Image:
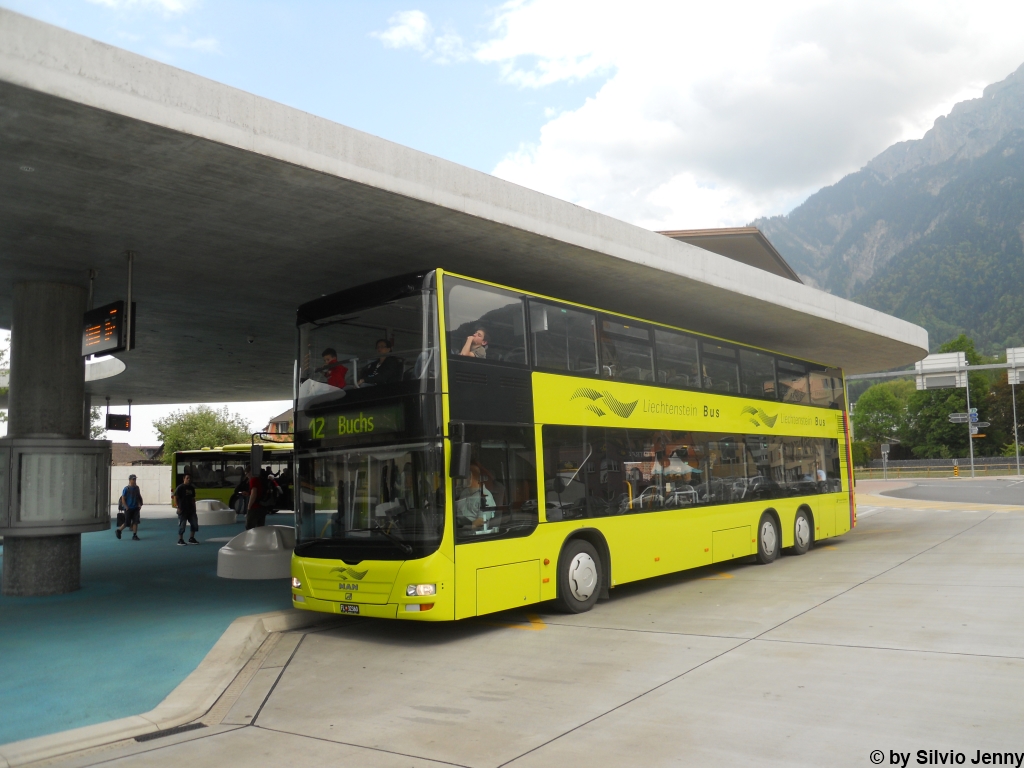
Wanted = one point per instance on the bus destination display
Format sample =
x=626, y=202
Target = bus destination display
x=103, y=330
x=383, y=420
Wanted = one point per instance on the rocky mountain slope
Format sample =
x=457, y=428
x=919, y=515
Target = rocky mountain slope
x=931, y=230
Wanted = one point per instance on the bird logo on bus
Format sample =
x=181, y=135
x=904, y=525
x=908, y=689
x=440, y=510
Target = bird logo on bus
x=619, y=408
x=758, y=417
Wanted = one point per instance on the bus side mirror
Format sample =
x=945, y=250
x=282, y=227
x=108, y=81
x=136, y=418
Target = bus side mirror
x=462, y=455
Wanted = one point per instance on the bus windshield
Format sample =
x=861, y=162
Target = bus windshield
x=382, y=503
x=384, y=349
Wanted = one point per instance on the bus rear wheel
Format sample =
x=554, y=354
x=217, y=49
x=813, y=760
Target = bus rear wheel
x=803, y=533
x=767, y=540
x=579, y=577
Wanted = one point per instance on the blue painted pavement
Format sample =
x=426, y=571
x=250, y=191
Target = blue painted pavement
x=147, y=614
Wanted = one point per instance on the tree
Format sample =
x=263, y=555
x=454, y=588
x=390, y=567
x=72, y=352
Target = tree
x=999, y=411
x=201, y=427
x=930, y=433
x=881, y=412
x=97, y=424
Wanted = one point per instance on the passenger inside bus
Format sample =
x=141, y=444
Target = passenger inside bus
x=476, y=344
x=335, y=372
x=385, y=369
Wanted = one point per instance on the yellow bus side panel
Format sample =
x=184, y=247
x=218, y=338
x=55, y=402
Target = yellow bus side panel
x=501, y=587
x=730, y=543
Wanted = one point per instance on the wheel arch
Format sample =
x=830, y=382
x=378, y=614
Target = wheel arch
x=596, y=539
x=778, y=520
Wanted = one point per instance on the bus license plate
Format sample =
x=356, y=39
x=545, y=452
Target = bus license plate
x=345, y=608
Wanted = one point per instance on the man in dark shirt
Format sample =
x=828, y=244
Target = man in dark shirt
x=384, y=369
x=185, y=496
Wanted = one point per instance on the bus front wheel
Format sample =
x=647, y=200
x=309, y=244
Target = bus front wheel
x=767, y=540
x=579, y=576
x=803, y=533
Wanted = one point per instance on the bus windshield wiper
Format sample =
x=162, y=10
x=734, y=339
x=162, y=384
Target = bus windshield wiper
x=375, y=527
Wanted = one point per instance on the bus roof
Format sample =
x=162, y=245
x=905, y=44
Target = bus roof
x=240, y=448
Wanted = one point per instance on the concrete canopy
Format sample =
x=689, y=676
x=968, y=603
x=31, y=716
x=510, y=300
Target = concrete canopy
x=240, y=209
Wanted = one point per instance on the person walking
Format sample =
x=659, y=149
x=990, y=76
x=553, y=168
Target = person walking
x=256, y=511
x=131, y=500
x=185, y=496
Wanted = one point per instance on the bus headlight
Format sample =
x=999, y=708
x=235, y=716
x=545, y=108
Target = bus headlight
x=420, y=590
x=296, y=584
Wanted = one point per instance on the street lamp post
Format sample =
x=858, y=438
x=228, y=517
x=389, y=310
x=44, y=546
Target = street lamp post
x=970, y=426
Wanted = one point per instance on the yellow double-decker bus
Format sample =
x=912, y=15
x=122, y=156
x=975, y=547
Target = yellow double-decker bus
x=464, y=448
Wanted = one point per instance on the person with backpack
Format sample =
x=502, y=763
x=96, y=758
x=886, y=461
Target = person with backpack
x=131, y=500
x=185, y=496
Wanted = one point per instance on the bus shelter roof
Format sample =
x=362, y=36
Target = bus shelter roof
x=239, y=209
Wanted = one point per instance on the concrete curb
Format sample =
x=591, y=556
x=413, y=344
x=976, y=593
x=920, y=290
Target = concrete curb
x=193, y=697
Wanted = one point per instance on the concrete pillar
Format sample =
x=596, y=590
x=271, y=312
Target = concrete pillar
x=36, y=566
x=47, y=394
x=47, y=368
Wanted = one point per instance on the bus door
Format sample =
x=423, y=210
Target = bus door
x=494, y=512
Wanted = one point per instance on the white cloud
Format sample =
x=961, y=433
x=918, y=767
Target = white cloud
x=413, y=29
x=409, y=29
x=167, y=6
x=710, y=114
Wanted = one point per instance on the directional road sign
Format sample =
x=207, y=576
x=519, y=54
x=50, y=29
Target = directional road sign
x=959, y=418
x=974, y=417
x=982, y=424
x=974, y=430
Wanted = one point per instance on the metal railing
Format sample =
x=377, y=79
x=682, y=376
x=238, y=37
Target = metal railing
x=946, y=470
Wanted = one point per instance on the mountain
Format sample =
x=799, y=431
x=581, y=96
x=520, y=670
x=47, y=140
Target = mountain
x=931, y=230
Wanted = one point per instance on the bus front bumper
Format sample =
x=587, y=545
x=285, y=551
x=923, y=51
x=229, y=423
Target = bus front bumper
x=318, y=587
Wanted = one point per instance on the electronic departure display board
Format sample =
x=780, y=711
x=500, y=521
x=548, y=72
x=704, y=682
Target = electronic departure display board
x=119, y=422
x=103, y=331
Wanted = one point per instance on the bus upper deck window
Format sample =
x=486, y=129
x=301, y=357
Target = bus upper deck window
x=757, y=371
x=826, y=388
x=485, y=323
x=677, y=359
x=721, y=370
x=564, y=339
x=626, y=351
x=793, y=384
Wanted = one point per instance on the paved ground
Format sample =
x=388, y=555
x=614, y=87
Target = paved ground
x=996, y=490
x=147, y=614
x=907, y=634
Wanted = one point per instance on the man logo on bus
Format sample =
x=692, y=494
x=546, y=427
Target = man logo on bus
x=617, y=407
x=350, y=572
x=758, y=413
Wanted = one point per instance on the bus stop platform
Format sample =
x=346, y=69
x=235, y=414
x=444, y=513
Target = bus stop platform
x=147, y=614
x=903, y=637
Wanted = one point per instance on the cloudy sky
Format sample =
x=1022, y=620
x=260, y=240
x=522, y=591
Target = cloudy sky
x=665, y=114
